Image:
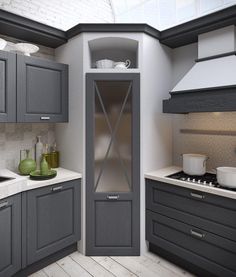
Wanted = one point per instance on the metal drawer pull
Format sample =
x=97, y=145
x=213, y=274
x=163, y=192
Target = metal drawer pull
x=57, y=188
x=3, y=204
x=195, y=195
x=45, y=117
x=113, y=197
x=197, y=234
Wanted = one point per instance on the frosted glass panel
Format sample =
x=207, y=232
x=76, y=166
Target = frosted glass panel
x=112, y=139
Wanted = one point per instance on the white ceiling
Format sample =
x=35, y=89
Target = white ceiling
x=161, y=14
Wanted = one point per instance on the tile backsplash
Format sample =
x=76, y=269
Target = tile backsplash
x=14, y=137
x=219, y=148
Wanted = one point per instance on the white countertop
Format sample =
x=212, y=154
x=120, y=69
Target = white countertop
x=160, y=175
x=22, y=183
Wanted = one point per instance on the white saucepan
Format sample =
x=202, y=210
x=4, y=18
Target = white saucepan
x=226, y=176
x=194, y=164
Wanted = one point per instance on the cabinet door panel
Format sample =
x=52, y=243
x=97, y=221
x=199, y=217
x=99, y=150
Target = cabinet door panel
x=42, y=90
x=113, y=231
x=10, y=235
x=7, y=87
x=53, y=219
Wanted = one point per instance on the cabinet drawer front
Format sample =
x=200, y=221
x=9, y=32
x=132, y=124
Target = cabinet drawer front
x=52, y=221
x=213, y=248
x=206, y=206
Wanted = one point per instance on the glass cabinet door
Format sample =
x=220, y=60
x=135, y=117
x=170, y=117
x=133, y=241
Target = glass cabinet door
x=113, y=136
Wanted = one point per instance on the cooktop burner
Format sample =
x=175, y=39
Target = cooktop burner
x=208, y=179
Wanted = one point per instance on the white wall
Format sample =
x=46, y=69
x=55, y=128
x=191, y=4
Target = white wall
x=61, y=14
x=220, y=149
x=156, y=127
x=70, y=136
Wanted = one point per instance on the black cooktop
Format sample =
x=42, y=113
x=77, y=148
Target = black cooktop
x=208, y=179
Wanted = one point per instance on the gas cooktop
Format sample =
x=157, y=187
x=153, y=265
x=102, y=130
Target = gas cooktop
x=208, y=179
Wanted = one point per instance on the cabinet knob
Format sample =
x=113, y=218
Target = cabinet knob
x=3, y=204
x=196, y=195
x=113, y=197
x=57, y=188
x=45, y=117
x=197, y=234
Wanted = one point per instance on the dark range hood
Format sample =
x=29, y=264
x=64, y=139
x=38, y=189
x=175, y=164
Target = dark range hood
x=210, y=85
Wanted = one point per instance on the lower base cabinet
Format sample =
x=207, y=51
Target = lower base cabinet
x=10, y=235
x=198, y=233
x=37, y=225
x=53, y=219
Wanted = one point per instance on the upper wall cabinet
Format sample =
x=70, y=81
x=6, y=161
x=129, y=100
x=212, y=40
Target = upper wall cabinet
x=42, y=90
x=7, y=87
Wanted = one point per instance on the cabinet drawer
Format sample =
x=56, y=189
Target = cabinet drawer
x=217, y=209
x=215, y=253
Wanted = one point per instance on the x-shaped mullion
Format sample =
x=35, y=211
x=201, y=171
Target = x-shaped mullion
x=113, y=133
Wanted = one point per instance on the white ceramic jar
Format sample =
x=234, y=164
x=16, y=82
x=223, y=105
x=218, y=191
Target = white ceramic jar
x=105, y=63
x=194, y=164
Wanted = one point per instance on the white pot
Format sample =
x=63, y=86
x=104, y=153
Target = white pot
x=226, y=176
x=194, y=164
x=105, y=64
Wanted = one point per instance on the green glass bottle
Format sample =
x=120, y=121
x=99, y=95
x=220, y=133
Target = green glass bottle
x=26, y=165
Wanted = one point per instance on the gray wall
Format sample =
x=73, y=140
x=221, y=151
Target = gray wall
x=220, y=149
x=14, y=137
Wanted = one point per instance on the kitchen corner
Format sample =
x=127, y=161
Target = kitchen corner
x=117, y=140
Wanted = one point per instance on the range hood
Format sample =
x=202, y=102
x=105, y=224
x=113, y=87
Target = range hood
x=210, y=85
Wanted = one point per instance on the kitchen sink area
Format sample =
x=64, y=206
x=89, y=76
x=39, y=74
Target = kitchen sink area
x=117, y=138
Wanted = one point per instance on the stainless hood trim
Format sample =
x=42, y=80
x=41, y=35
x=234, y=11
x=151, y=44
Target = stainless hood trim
x=233, y=53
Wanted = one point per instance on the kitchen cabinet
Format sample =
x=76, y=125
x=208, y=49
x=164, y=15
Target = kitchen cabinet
x=53, y=219
x=10, y=235
x=7, y=87
x=194, y=229
x=112, y=164
x=42, y=90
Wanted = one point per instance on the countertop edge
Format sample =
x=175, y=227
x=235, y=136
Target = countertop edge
x=159, y=176
x=24, y=183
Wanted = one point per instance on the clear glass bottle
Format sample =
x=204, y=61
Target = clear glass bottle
x=38, y=151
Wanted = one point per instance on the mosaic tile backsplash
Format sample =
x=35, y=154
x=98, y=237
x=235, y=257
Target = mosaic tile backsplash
x=15, y=137
x=220, y=148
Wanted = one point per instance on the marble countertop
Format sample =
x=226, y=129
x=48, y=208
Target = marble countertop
x=22, y=183
x=160, y=175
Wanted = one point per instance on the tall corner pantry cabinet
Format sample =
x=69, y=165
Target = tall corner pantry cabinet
x=112, y=163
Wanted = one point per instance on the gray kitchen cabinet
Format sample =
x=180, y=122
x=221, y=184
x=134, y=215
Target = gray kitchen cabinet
x=42, y=90
x=7, y=87
x=112, y=164
x=194, y=229
x=53, y=219
x=10, y=235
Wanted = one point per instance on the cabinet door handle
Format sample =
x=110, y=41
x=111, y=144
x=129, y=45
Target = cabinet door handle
x=196, y=195
x=197, y=234
x=45, y=117
x=113, y=197
x=57, y=188
x=3, y=204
